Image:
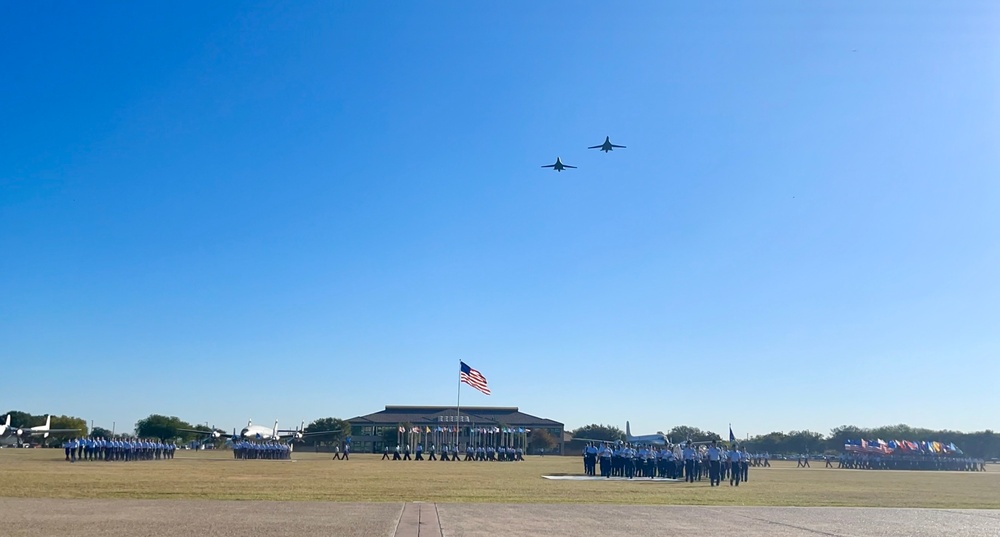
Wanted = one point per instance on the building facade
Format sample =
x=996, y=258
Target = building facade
x=372, y=433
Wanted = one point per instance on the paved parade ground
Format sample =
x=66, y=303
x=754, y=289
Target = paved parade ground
x=153, y=518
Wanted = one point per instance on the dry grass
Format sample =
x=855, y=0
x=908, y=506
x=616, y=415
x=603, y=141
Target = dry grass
x=208, y=475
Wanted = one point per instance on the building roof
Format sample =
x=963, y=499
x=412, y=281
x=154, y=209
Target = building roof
x=429, y=415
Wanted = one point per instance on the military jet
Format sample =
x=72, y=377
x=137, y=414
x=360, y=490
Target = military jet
x=607, y=145
x=558, y=166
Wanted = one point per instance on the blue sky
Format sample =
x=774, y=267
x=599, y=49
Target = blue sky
x=232, y=210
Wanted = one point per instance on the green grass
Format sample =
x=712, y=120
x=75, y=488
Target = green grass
x=206, y=475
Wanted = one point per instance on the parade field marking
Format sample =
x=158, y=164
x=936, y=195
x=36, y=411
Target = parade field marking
x=41, y=473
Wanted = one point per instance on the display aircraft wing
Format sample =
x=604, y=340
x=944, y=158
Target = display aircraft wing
x=300, y=433
x=214, y=433
x=43, y=430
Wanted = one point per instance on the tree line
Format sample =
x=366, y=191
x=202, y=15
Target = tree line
x=982, y=444
x=170, y=428
x=164, y=428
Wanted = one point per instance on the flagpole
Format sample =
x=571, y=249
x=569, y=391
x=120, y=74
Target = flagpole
x=458, y=404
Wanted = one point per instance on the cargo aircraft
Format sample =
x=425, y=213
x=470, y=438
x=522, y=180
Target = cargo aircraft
x=658, y=439
x=11, y=435
x=260, y=432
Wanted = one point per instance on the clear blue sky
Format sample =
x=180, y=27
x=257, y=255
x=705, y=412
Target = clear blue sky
x=296, y=210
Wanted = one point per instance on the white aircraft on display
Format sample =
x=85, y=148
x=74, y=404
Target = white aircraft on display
x=658, y=439
x=261, y=432
x=11, y=436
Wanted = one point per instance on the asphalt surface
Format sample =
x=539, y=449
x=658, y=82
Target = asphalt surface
x=153, y=518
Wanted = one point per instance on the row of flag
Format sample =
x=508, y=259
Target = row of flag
x=476, y=430
x=902, y=446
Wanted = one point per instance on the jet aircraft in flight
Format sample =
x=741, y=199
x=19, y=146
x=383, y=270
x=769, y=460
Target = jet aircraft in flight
x=607, y=145
x=558, y=166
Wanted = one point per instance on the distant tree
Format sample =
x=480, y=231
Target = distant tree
x=681, y=433
x=334, y=430
x=541, y=439
x=594, y=431
x=805, y=442
x=840, y=435
x=390, y=436
x=101, y=432
x=163, y=427
x=69, y=422
x=768, y=443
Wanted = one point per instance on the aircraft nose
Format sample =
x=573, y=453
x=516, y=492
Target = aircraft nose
x=243, y=432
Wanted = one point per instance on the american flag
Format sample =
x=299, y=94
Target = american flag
x=473, y=378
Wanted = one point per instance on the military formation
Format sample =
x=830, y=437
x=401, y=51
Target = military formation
x=244, y=450
x=454, y=453
x=686, y=461
x=866, y=461
x=117, y=449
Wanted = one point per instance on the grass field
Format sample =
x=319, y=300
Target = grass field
x=38, y=473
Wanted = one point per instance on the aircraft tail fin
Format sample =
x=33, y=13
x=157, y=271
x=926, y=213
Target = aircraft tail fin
x=274, y=430
x=628, y=429
x=8, y=421
x=48, y=421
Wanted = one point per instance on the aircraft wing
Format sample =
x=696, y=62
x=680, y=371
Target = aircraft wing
x=52, y=431
x=287, y=433
x=618, y=146
x=599, y=146
x=568, y=166
x=198, y=431
x=549, y=166
x=594, y=440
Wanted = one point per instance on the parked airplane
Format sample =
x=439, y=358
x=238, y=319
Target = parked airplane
x=261, y=432
x=658, y=439
x=607, y=145
x=558, y=166
x=214, y=433
x=10, y=435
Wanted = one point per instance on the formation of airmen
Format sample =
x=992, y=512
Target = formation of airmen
x=478, y=453
x=117, y=449
x=866, y=461
x=679, y=461
x=244, y=450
